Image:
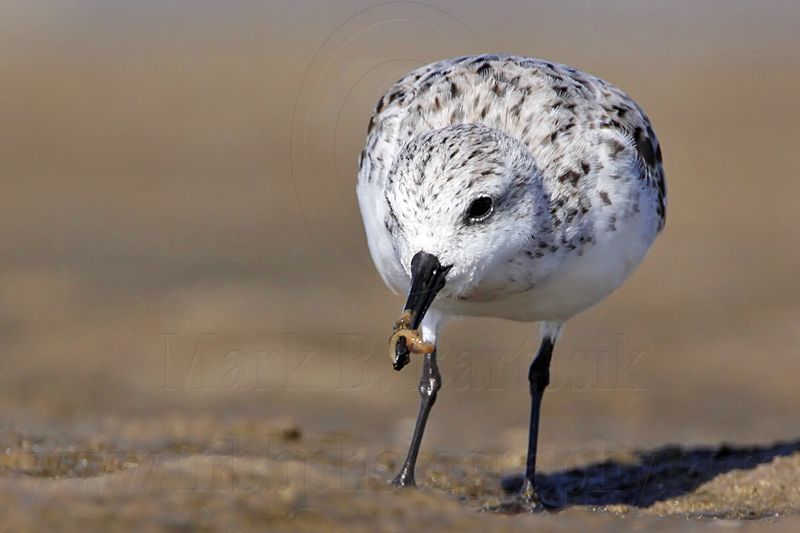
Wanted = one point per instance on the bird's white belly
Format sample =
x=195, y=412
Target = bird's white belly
x=582, y=281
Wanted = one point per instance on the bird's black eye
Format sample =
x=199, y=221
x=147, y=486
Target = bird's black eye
x=479, y=209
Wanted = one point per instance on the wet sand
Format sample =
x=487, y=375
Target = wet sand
x=194, y=337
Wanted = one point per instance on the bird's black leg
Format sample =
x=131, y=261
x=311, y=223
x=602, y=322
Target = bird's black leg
x=538, y=379
x=429, y=384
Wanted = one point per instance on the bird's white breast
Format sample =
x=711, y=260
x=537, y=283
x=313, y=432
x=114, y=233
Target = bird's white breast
x=581, y=282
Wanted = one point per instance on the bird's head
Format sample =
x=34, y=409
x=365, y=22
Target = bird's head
x=463, y=200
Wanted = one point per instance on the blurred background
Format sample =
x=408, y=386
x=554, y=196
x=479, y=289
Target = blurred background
x=181, y=238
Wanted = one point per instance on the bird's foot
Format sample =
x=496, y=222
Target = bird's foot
x=405, y=478
x=529, y=497
x=523, y=497
x=517, y=504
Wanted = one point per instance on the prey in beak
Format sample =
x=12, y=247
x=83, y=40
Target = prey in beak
x=427, y=279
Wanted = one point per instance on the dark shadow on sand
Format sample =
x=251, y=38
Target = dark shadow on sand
x=658, y=475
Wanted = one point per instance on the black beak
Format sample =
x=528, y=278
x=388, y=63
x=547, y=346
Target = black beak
x=427, y=279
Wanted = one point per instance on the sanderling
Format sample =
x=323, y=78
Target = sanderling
x=510, y=187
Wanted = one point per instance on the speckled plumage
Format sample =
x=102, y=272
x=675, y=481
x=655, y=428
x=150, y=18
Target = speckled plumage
x=574, y=165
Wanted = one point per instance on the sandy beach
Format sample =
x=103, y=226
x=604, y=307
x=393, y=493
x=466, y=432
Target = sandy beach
x=194, y=337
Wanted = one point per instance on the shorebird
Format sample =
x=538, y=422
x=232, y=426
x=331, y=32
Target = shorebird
x=504, y=186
